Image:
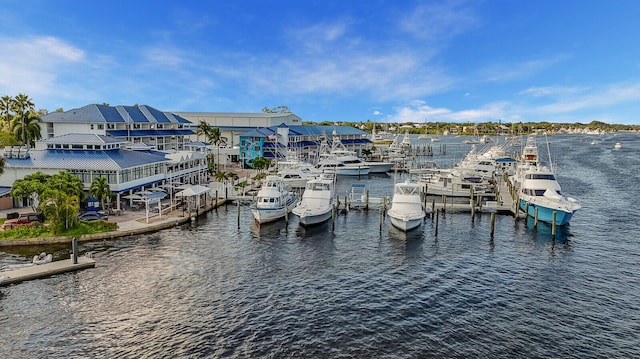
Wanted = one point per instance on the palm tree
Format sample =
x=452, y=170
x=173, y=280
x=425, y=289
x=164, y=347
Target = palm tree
x=213, y=136
x=6, y=108
x=100, y=189
x=203, y=129
x=27, y=127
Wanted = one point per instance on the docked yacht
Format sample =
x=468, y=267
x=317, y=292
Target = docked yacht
x=273, y=201
x=539, y=190
x=317, y=201
x=406, y=212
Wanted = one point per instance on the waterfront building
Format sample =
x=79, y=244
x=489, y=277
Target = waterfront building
x=89, y=156
x=276, y=141
x=137, y=125
x=232, y=124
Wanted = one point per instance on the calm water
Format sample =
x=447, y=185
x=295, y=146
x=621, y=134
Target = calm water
x=215, y=290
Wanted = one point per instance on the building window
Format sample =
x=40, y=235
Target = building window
x=92, y=126
x=100, y=126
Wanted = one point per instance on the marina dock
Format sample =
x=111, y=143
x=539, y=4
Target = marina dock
x=36, y=271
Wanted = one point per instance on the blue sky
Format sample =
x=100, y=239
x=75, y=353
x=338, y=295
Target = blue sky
x=385, y=61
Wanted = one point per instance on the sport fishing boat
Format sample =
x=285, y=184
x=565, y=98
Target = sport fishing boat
x=406, y=212
x=539, y=190
x=273, y=201
x=317, y=201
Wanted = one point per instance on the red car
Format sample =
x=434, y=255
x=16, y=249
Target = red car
x=25, y=219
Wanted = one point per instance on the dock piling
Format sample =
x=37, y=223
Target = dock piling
x=74, y=250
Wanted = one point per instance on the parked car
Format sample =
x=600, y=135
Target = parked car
x=93, y=216
x=24, y=219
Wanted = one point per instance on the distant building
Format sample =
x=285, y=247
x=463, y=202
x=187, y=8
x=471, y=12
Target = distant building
x=89, y=156
x=137, y=125
x=232, y=124
x=276, y=141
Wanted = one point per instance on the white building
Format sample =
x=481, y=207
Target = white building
x=136, y=125
x=232, y=124
x=88, y=156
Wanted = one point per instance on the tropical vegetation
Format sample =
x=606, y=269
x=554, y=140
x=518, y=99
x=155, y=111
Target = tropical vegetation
x=20, y=120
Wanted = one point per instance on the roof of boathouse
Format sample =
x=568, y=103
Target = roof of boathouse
x=96, y=113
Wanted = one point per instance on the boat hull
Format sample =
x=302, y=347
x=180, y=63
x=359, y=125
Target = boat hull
x=353, y=171
x=404, y=224
x=545, y=214
x=271, y=214
x=314, y=219
x=381, y=167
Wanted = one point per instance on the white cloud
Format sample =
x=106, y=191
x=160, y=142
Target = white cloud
x=513, y=71
x=34, y=64
x=438, y=21
x=553, y=91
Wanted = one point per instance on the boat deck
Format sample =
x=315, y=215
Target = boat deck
x=44, y=270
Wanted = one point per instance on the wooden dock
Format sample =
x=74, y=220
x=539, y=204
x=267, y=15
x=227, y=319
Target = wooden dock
x=44, y=270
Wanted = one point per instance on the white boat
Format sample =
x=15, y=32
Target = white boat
x=273, y=201
x=337, y=160
x=294, y=171
x=406, y=212
x=539, y=190
x=453, y=184
x=617, y=146
x=317, y=201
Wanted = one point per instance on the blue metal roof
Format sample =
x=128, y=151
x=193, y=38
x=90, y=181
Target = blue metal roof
x=81, y=139
x=133, y=113
x=89, y=160
x=114, y=114
x=4, y=191
x=149, y=133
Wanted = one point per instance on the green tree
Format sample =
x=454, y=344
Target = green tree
x=100, y=189
x=26, y=127
x=30, y=187
x=6, y=110
x=203, y=129
x=60, y=208
x=67, y=183
x=260, y=163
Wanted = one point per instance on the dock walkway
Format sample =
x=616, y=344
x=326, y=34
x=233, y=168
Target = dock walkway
x=36, y=271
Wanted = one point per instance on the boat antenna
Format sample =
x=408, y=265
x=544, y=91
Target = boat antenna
x=549, y=154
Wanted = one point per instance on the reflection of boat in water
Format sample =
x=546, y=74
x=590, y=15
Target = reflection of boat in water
x=317, y=201
x=274, y=200
x=406, y=212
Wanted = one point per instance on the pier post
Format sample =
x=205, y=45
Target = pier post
x=238, y=201
x=216, y=200
x=433, y=207
x=333, y=218
x=553, y=224
x=437, y=220
x=380, y=219
x=526, y=212
x=366, y=205
x=493, y=224
x=473, y=210
x=535, y=218
x=74, y=250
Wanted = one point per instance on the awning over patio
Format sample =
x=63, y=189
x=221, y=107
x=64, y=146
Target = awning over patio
x=193, y=190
